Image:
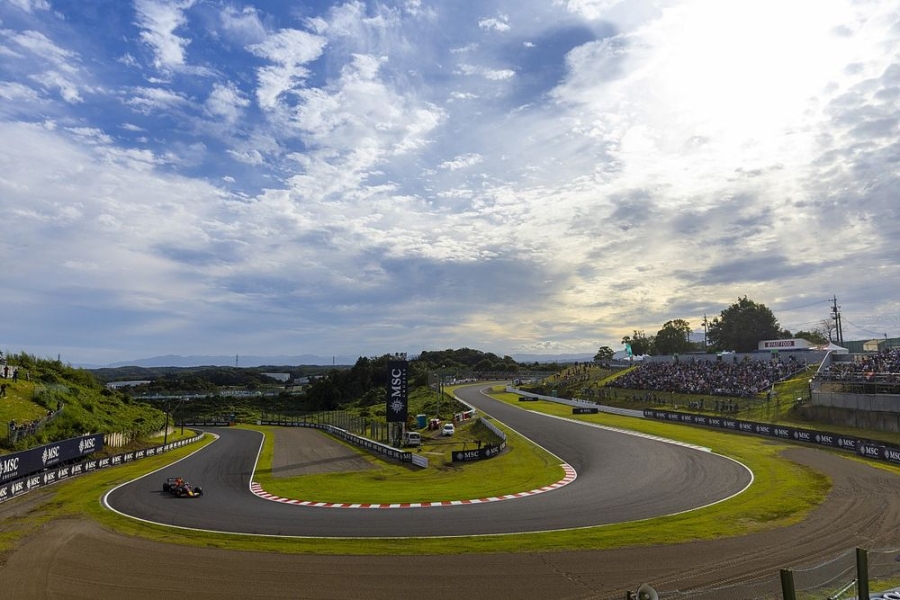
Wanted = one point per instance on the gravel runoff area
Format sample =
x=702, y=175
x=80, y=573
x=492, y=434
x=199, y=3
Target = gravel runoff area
x=81, y=559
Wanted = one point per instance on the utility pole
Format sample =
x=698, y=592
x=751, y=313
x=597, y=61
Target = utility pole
x=836, y=315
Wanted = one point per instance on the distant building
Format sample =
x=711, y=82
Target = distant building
x=282, y=377
x=114, y=385
x=791, y=344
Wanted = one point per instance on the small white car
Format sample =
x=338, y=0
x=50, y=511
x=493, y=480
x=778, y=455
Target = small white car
x=448, y=429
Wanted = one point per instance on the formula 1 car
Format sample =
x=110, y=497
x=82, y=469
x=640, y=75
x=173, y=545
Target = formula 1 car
x=181, y=488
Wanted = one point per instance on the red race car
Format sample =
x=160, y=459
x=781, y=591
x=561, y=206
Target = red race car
x=181, y=488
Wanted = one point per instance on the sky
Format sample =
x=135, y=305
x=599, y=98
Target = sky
x=231, y=177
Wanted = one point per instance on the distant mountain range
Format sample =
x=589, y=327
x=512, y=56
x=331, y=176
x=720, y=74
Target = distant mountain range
x=172, y=360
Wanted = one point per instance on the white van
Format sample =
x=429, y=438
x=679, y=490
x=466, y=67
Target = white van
x=412, y=438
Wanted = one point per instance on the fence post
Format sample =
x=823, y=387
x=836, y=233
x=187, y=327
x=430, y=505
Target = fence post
x=862, y=574
x=787, y=585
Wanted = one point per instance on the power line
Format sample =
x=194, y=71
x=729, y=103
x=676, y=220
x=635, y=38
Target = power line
x=866, y=330
x=806, y=305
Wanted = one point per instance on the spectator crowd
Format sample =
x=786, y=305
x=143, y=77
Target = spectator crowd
x=883, y=366
x=717, y=378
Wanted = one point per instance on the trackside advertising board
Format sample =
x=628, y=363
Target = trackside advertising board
x=51, y=474
x=864, y=448
x=21, y=464
x=482, y=453
x=397, y=410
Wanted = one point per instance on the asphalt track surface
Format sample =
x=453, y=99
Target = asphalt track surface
x=621, y=477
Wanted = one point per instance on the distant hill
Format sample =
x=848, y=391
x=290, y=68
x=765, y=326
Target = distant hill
x=527, y=359
x=173, y=360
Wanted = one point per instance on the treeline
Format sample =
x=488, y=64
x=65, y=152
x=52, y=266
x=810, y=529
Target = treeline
x=330, y=388
x=466, y=359
x=365, y=384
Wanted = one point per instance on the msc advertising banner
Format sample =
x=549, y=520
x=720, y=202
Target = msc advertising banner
x=52, y=470
x=489, y=451
x=398, y=392
x=810, y=436
x=20, y=464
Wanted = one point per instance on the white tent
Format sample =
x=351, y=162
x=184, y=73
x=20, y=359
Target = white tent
x=832, y=347
x=622, y=356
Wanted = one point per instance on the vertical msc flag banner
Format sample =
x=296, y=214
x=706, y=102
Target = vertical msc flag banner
x=397, y=396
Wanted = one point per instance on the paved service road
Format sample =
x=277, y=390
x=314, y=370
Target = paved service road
x=621, y=477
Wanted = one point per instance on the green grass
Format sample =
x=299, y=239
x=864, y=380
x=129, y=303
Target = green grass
x=18, y=404
x=524, y=467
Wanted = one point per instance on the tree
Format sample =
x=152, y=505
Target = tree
x=826, y=329
x=604, y=353
x=741, y=326
x=674, y=337
x=639, y=342
x=813, y=337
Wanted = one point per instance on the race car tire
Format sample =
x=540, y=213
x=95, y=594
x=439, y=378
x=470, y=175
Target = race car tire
x=165, y=487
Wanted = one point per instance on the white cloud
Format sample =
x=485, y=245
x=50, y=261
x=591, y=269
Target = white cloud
x=30, y=5
x=40, y=45
x=226, y=102
x=462, y=162
x=290, y=50
x=158, y=20
x=500, y=23
x=243, y=25
x=487, y=73
x=68, y=90
x=16, y=92
x=589, y=9
x=148, y=100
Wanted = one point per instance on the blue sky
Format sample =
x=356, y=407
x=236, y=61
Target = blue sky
x=205, y=177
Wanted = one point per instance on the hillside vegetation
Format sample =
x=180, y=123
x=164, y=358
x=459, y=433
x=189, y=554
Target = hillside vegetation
x=63, y=402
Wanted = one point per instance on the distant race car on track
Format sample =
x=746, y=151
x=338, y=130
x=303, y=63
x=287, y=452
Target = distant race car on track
x=181, y=488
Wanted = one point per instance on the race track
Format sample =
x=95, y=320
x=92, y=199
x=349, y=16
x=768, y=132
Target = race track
x=621, y=477
x=80, y=558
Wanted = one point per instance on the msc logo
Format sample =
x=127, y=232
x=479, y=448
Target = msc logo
x=87, y=445
x=869, y=451
x=50, y=454
x=10, y=465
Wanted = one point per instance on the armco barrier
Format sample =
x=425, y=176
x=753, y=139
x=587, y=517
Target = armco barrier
x=866, y=449
x=356, y=440
x=614, y=410
x=12, y=488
